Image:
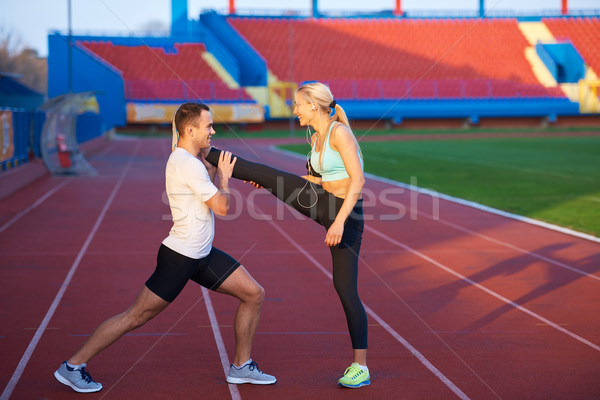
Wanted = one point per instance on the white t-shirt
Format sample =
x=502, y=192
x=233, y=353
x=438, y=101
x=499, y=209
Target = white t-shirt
x=188, y=187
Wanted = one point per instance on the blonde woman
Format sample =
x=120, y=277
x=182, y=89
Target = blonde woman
x=330, y=195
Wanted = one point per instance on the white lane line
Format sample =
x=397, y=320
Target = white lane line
x=45, y=196
x=510, y=246
x=38, y=334
x=372, y=313
x=481, y=287
x=233, y=390
x=39, y=201
x=485, y=208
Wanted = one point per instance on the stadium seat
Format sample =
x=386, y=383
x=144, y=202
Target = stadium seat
x=179, y=74
x=584, y=33
x=369, y=58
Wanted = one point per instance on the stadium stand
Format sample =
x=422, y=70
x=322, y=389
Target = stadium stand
x=156, y=73
x=584, y=33
x=395, y=69
x=394, y=58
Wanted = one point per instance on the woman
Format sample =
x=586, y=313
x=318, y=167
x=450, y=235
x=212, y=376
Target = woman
x=330, y=195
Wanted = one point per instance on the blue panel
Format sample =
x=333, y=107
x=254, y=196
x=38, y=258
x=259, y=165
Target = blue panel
x=28, y=102
x=90, y=73
x=563, y=61
x=253, y=68
x=399, y=110
x=547, y=60
x=179, y=18
x=220, y=51
x=89, y=126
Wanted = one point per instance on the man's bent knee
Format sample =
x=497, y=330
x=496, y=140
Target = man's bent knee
x=255, y=295
x=135, y=319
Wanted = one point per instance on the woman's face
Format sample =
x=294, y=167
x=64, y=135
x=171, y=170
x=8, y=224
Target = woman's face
x=303, y=110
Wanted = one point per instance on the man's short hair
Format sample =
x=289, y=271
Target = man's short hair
x=187, y=114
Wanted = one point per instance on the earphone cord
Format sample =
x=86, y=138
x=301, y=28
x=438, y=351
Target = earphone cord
x=308, y=182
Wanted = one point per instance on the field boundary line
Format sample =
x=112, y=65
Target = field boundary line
x=464, y=202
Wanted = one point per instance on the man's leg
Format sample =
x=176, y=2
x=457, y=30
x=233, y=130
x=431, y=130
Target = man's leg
x=240, y=284
x=251, y=295
x=73, y=373
x=146, y=306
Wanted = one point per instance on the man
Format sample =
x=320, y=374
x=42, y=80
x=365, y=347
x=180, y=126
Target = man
x=187, y=253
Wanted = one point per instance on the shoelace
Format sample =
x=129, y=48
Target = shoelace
x=253, y=365
x=354, y=370
x=85, y=375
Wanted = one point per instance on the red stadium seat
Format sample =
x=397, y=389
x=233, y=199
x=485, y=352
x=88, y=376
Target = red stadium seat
x=447, y=58
x=584, y=33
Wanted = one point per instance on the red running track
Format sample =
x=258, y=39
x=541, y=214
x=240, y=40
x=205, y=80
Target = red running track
x=467, y=305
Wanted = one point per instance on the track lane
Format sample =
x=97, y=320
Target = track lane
x=487, y=337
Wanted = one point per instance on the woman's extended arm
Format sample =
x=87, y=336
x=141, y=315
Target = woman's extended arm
x=343, y=141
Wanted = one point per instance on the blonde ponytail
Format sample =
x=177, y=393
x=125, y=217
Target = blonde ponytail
x=175, y=139
x=340, y=115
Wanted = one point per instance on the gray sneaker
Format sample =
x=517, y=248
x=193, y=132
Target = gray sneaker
x=249, y=374
x=78, y=379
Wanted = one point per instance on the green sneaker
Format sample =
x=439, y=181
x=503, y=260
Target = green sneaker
x=354, y=377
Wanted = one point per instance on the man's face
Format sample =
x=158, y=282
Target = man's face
x=203, y=130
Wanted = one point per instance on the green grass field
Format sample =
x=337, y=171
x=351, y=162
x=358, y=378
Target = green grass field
x=553, y=179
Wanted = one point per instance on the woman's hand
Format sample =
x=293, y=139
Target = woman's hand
x=334, y=234
x=256, y=185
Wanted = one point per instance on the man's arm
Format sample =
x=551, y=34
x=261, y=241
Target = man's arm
x=219, y=203
x=211, y=169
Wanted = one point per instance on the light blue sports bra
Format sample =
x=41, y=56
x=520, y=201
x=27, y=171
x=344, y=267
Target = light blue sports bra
x=333, y=167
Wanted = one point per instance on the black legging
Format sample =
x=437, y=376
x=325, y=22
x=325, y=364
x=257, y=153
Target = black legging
x=323, y=209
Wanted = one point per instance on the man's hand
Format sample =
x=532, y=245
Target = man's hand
x=225, y=166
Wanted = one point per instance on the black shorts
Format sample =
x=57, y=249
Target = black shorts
x=173, y=270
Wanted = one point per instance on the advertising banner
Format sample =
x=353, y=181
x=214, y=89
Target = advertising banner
x=7, y=146
x=156, y=113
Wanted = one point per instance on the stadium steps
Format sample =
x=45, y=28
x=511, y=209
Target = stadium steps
x=280, y=96
x=584, y=33
x=257, y=93
x=536, y=32
x=218, y=69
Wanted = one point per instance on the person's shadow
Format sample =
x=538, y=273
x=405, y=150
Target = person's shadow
x=554, y=278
